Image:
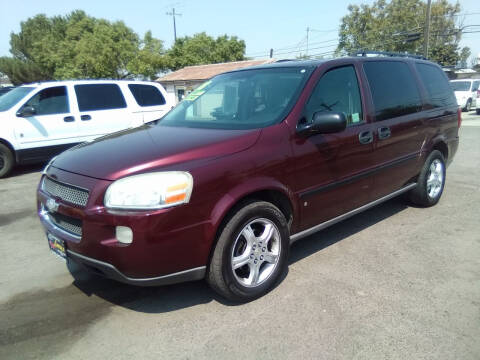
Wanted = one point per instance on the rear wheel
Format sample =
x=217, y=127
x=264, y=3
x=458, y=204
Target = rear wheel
x=468, y=105
x=251, y=252
x=431, y=181
x=7, y=160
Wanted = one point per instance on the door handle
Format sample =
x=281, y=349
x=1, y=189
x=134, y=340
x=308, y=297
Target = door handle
x=68, y=119
x=85, y=117
x=384, y=133
x=365, y=137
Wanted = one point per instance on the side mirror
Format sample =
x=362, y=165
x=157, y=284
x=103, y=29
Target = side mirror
x=324, y=123
x=26, y=111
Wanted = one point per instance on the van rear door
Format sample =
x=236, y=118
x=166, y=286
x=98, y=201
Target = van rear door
x=102, y=109
x=399, y=123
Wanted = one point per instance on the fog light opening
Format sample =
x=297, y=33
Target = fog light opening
x=124, y=234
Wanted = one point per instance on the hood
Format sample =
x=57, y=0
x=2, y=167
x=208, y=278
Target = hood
x=151, y=147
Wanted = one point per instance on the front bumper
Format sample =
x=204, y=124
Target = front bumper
x=111, y=272
x=169, y=245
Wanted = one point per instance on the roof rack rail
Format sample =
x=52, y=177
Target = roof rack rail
x=367, y=53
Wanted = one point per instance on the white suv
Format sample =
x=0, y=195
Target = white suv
x=40, y=120
x=467, y=93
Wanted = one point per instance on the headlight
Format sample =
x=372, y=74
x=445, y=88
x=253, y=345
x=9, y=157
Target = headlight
x=150, y=191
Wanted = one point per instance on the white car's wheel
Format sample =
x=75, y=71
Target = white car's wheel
x=7, y=160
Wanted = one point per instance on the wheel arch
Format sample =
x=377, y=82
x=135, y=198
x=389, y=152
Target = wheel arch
x=441, y=146
x=271, y=191
x=10, y=146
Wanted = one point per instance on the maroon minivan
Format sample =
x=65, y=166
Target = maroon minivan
x=249, y=162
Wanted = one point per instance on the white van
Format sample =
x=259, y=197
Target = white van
x=467, y=93
x=40, y=120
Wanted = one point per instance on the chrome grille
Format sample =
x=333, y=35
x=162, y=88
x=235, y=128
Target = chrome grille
x=66, y=223
x=67, y=193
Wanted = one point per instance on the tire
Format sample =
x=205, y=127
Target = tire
x=431, y=181
x=7, y=160
x=468, y=105
x=478, y=111
x=241, y=242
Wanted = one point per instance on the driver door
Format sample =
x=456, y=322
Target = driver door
x=51, y=124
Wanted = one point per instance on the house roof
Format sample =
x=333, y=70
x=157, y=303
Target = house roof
x=205, y=72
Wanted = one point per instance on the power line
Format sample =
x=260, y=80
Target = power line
x=315, y=48
x=297, y=47
x=277, y=49
x=456, y=15
x=321, y=54
x=323, y=31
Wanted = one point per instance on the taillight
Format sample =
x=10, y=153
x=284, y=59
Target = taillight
x=459, y=116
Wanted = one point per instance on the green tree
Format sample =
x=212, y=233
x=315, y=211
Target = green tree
x=385, y=26
x=150, y=58
x=464, y=55
x=204, y=49
x=79, y=46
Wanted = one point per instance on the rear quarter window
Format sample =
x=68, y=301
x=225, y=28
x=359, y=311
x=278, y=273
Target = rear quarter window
x=147, y=95
x=394, y=89
x=99, y=97
x=439, y=91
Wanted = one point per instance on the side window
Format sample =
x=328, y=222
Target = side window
x=146, y=95
x=394, y=89
x=337, y=90
x=475, y=85
x=99, y=97
x=50, y=101
x=439, y=91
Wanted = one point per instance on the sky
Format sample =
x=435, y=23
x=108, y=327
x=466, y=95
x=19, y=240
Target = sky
x=281, y=25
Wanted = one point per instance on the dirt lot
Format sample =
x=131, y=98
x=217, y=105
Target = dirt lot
x=395, y=282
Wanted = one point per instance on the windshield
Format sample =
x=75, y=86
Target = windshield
x=12, y=97
x=460, y=85
x=246, y=99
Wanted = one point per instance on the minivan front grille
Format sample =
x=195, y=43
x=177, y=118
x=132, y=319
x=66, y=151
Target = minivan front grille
x=65, y=192
x=66, y=223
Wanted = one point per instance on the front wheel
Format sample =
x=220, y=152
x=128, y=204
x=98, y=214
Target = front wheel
x=431, y=181
x=251, y=252
x=7, y=160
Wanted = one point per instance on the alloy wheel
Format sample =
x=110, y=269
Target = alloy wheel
x=435, y=178
x=256, y=252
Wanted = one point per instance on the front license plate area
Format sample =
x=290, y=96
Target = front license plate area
x=57, y=246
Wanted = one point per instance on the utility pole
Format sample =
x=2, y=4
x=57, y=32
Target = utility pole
x=271, y=53
x=426, y=36
x=308, y=30
x=173, y=14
